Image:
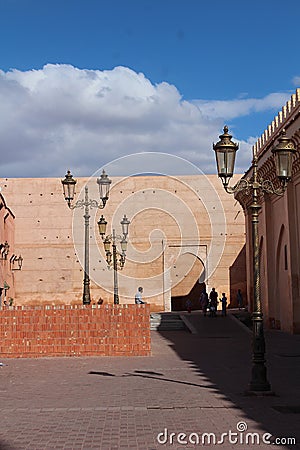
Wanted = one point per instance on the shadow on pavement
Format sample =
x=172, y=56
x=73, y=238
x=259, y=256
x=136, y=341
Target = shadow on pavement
x=221, y=352
x=142, y=374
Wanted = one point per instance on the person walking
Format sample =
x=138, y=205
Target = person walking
x=224, y=304
x=239, y=298
x=138, y=296
x=213, y=298
x=204, y=302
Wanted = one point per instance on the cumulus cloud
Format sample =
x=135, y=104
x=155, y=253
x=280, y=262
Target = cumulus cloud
x=62, y=117
x=242, y=106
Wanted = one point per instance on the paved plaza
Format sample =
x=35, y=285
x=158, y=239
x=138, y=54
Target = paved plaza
x=194, y=383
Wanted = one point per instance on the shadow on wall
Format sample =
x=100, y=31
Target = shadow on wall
x=237, y=274
x=179, y=303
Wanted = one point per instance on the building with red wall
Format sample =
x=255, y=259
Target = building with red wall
x=279, y=227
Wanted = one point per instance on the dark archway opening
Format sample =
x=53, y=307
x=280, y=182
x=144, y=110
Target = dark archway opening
x=179, y=303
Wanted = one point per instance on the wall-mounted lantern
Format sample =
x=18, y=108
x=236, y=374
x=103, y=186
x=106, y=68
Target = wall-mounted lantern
x=16, y=262
x=4, y=250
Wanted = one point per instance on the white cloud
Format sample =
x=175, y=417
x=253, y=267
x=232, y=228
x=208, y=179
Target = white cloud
x=296, y=81
x=62, y=117
x=242, y=106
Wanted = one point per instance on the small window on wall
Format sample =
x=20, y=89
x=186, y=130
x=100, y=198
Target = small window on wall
x=285, y=258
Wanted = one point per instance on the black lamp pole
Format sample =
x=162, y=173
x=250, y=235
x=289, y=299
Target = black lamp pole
x=69, y=194
x=112, y=257
x=225, y=156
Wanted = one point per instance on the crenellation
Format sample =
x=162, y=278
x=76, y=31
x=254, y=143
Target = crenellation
x=270, y=130
x=284, y=111
x=259, y=142
x=273, y=126
x=254, y=148
x=266, y=135
x=288, y=109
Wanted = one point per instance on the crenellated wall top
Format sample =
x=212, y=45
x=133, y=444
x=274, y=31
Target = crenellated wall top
x=288, y=111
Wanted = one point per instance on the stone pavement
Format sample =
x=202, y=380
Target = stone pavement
x=192, y=384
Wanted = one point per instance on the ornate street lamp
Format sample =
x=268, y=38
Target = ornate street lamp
x=112, y=257
x=225, y=155
x=69, y=193
x=283, y=153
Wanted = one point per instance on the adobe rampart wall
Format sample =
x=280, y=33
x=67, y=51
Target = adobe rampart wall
x=183, y=230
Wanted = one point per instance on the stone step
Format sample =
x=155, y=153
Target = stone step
x=166, y=321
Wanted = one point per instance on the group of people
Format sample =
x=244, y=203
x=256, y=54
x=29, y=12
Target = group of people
x=207, y=302
x=210, y=302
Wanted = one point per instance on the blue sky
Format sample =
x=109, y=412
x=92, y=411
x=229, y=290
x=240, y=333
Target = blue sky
x=83, y=82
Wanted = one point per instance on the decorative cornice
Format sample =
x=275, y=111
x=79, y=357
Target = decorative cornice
x=288, y=113
x=266, y=170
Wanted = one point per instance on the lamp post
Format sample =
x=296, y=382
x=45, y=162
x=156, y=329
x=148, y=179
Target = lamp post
x=69, y=193
x=110, y=241
x=225, y=151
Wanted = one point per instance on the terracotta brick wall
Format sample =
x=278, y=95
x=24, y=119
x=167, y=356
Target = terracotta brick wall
x=75, y=330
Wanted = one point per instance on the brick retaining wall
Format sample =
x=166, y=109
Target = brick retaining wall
x=75, y=330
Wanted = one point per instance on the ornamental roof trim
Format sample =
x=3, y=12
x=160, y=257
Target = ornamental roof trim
x=287, y=113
